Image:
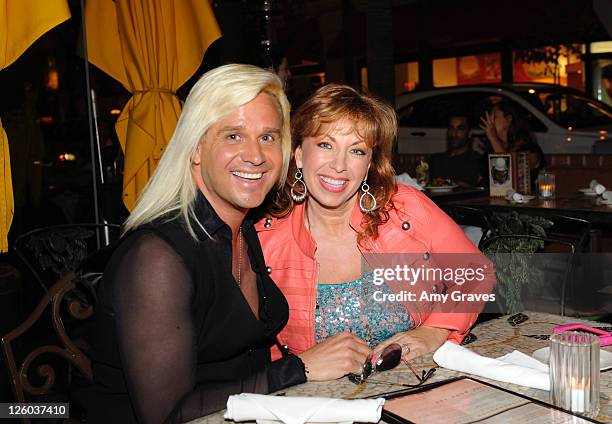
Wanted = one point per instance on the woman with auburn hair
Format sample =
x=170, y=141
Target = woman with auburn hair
x=339, y=204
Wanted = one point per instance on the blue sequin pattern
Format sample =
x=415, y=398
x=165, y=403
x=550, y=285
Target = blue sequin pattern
x=351, y=307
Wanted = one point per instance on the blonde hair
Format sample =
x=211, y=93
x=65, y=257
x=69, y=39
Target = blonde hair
x=171, y=191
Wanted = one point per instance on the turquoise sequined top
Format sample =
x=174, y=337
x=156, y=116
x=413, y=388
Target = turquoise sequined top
x=351, y=307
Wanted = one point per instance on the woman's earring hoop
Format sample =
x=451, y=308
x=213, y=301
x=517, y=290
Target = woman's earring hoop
x=365, y=188
x=298, y=197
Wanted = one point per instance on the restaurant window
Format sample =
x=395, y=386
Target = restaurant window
x=602, y=80
x=601, y=52
x=466, y=70
x=406, y=77
x=560, y=64
x=445, y=72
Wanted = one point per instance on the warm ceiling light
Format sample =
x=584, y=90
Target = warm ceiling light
x=115, y=111
x=68, y=157
x=531, y=91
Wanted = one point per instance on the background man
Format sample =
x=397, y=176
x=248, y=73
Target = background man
x=460, y=163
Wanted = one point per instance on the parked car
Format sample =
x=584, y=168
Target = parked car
x=563, y=120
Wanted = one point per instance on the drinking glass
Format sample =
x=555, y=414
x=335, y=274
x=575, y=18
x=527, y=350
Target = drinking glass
x=574, y=372
x=546, y=185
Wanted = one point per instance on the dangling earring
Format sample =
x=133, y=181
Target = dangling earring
x=298, y=180
x=365, y=188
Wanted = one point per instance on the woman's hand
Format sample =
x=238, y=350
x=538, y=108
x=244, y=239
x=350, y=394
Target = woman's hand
x=335, y=357
x=488, y=126
x=416, y=342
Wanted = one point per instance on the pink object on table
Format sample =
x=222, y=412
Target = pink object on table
x=605, y=338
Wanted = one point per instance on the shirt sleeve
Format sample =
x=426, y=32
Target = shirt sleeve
x=448, y=239
x=151, y=294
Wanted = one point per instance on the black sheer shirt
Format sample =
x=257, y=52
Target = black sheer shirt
x=173, y=334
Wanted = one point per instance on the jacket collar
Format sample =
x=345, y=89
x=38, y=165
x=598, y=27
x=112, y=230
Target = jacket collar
x=301, y=234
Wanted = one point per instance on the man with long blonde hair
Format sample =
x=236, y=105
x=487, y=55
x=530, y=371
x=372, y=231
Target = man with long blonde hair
x=187, y=310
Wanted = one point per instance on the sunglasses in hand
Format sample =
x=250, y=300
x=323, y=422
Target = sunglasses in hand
x=390, y=358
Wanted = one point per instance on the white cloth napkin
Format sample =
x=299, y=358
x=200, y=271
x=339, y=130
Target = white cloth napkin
x=407, y=180
x=516, y=367
x=298, y=410
x=606, y=195
x=596, y=187
x=600, y=189
x=514, y=196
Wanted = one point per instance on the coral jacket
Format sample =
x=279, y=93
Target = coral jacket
x=415, y=225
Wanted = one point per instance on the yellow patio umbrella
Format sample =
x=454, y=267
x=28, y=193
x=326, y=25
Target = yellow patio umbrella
x=151, y=47
x=21, y=23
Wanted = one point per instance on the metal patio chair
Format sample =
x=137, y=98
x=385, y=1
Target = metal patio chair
x=53, y=251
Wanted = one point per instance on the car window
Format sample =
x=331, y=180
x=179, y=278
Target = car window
x=422, y=113
x=570, y=110
x=435, y=111
x=534, y=124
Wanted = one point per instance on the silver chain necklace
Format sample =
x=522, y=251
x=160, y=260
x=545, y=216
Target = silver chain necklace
x=239, y=257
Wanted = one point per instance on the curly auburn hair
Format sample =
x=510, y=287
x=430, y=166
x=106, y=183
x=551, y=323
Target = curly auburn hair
x=374, y=121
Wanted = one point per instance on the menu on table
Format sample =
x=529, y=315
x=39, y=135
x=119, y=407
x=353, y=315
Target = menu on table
x=466, y=401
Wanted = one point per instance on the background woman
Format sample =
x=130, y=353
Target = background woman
x=508, y=131
x=187, y=313
x=340, y=203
